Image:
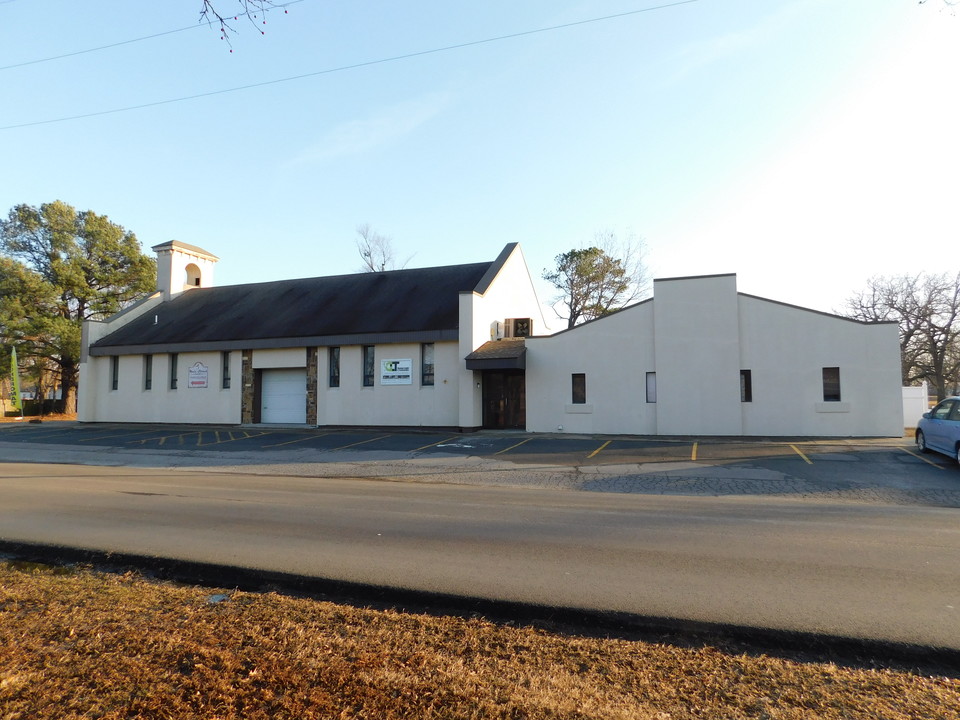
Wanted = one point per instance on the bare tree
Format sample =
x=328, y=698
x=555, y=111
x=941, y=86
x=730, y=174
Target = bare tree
x=376, y=250
x=594, y=281
x=927, y=309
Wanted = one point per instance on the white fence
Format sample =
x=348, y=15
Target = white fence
x=915, y=404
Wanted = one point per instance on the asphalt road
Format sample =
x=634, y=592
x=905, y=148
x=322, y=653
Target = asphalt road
x=859, y=570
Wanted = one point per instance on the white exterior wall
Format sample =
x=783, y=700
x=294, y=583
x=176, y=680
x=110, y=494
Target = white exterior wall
x=786, y=349
x=697, y=356
x=411, y=405
x=697, y=334
x=88, y=384
x=614, y=354
x=130, y=402
x=172, y=270
x=280, y=358
x=510, y=295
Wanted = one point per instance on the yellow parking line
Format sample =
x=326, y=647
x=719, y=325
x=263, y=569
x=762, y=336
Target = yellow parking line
x=298, y=440
x=110, y=437
x=438, y=442
x=807, y=460
x=51, y=432
x=218, y=441
x=344, y=447
x=599, y=449
x=938, y=466
x=164, y=438
x=500, y=452
x=693, y=453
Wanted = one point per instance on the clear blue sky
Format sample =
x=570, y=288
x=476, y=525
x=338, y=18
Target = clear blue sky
x=803, y=144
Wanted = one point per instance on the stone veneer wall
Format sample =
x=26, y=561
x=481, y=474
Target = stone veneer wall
x=312, y=386
x=247, y=391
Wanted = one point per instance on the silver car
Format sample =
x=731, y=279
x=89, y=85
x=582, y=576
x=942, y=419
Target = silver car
x=939, y=429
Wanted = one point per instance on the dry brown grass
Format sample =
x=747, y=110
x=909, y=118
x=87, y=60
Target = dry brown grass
x=81, y=644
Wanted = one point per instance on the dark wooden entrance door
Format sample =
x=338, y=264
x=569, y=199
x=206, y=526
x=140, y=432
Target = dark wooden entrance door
x=504, y=399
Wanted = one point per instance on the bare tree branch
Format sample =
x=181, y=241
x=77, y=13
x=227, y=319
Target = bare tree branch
x=253, y=10
x=376, y=251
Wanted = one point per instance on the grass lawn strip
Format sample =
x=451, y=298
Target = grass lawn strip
x=83, y=644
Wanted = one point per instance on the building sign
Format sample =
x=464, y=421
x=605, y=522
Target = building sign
x=198, y=375
x=396, y=372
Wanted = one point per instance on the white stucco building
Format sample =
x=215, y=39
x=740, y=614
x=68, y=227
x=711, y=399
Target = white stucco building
x=457, y=347
x=699, y=358
x=369, y=349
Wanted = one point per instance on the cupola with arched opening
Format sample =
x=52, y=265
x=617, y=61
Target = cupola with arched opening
x=182, y=267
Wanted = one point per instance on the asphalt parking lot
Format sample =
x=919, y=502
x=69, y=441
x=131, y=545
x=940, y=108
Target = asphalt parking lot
x=517, y=447
x=866, y=469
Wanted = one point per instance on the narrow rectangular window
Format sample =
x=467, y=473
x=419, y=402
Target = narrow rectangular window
x=426, y=364
x=369, y=364
x=148, y=372
x=831, y=384
x=173, y=370
x=746, y=386
x=225, y=370
x=114, y=372
x=333, y=355
x=579, y=388
x=651, y=387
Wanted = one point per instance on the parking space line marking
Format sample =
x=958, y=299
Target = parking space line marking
x=438, y=442
x=298, y=440
x=599, y=449
x=163, y=438
x=218, y=441
x=52, y=432
x=797, y=450
x=693, y=453
x=938, y=466
x=344, y=447
x=111, y=437
x=500, y=452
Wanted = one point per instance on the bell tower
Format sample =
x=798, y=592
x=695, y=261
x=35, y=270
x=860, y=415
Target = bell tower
x=182, y=267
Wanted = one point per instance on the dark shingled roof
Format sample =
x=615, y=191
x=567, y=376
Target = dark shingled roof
x=424, y=301
x=504, y=354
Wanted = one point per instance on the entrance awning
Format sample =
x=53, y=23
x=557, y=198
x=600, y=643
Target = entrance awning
x=506, y=354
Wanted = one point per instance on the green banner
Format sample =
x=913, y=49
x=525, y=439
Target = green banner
x=15, y=375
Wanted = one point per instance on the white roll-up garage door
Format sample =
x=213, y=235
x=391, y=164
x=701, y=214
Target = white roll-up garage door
x=283, y=396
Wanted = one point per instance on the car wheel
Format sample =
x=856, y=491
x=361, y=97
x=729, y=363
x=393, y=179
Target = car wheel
x=956, y=455
x=922, y=442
